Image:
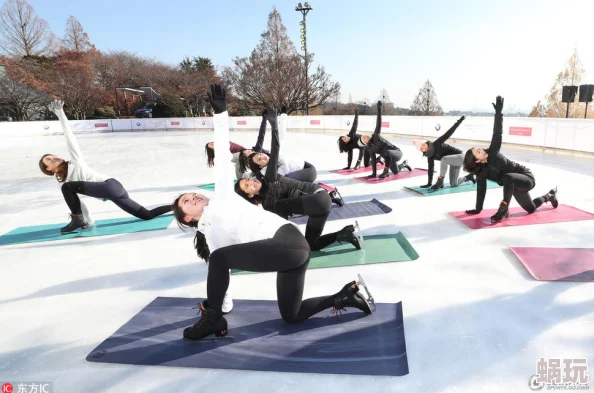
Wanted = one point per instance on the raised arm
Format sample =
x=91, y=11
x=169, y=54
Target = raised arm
x=378, y=123
x=57, y=107
x=223, y=165
x=481, y=191
x=261, y=133
x=449, y=132
x=497, y=127
x=272, y=167
x=355, y=125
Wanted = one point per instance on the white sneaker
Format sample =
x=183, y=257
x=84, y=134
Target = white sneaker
x=227, y=303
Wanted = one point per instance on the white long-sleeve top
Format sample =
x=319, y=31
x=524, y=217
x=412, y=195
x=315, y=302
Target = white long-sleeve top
x=78, y=169
x=229, y=219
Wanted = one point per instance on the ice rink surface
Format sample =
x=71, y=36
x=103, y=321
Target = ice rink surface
x=474, y=318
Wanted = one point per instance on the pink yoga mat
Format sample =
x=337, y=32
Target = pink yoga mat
x=557, y=264
x=354, y=172
x=405, y=174
x=517, y=216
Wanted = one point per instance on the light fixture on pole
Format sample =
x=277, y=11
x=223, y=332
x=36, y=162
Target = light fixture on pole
x=304, y=9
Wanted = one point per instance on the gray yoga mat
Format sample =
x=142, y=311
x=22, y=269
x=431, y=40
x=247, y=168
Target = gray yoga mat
x=351, y=210
x=352, y=344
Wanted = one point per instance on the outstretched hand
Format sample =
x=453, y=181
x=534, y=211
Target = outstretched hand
x=283, y=110
x=498, y=104
x=56, y=106
x=218, y=98
x=462, y=119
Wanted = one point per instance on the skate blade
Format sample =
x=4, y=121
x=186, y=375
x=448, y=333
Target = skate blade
x=216, y=339
x=359, y=234
x=369, y=298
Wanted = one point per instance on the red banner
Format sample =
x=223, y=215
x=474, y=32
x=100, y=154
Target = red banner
x=175, y=123
x=520, y=131
x=314, y=122
x=241, y=122
x=385, y=124
x=97, y=125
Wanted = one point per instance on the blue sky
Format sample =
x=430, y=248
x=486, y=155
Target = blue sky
x=470, y=50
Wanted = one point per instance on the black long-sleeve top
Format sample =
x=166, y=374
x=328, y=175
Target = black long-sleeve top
x=353, y=142
x=439, y=149
x=497, y=164
x=276, y=187
x=378, y=144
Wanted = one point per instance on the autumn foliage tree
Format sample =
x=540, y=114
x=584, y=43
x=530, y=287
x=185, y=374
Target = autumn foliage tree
x=572, y=75
x=22, y=33
x=20, y=91
x=75, y=38
x=273, y=74
x=426, y=103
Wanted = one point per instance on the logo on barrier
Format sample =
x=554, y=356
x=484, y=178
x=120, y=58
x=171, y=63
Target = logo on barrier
x=385, y=124
x=138, y=124
x=437, y=127
x=315, y=122
x=520, y=131
x=203, y=122
x=46, y=127
x=7, y=388
x=97, y=125
x=175, y=123
x=348, y=122
x=241, y=122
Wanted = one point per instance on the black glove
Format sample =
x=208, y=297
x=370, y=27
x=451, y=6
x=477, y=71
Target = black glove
x=283, y=110
x=473, y=211
x=498, y=105
x=357, y=165
x=426, y=185
x=462, y=119
x=379, y=105
x=271, y=115
x=218, y=98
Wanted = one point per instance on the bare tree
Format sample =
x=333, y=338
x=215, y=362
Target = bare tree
x=21, y=100
x=274, y=74
x=426, y=103
x=75, y=38
x=22, y=32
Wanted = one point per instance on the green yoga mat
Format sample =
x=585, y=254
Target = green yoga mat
x=376, y=249
x=450, y=190
x=211, y=186
x=115, y=226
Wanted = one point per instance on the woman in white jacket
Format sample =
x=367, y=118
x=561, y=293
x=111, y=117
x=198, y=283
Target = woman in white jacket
x=235, y=234
x=77, y=177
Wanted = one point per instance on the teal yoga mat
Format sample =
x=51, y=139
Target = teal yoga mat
x=376, y=249
x=114, y=226
x=450, y=190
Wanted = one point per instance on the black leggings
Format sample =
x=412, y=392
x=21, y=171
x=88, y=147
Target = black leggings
x=286, y=253
x=519, y=185
x=308, y=173
x=391, y=160
x=112, y=190
x=317, y=207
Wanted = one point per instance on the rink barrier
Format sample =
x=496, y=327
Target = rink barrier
x=559, y=135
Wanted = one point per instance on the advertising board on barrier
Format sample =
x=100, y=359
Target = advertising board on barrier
x=520, y=131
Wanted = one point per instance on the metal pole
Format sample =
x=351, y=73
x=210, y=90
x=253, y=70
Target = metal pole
x=306, y=65
x=567, y=112
x=586, y=114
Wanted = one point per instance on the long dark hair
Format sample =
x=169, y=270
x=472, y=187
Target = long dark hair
x=342, y=147
x=255, y=168
x=199, y=240
x=209, y=155
x=255, y=200
x=470, y=165
x=62, y=172
x=243, y=162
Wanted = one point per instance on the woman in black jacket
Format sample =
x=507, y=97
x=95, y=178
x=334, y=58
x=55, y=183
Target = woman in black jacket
x=517, y=180
x=449, y=156
x=285, y=196
x=376, y=144
x=348, y=143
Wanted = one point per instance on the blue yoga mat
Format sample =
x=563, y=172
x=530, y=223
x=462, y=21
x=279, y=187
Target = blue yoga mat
x=352, y=344
x=351, y=210
x=115, y=226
